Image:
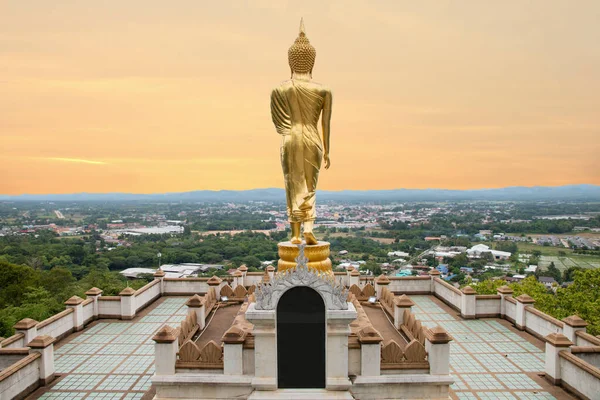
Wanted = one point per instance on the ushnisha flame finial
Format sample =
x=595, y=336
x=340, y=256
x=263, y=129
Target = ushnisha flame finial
x=301, y=55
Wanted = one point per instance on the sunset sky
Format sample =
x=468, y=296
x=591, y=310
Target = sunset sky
x=156, y=96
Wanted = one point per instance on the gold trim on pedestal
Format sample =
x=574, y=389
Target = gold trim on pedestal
x=318, y=256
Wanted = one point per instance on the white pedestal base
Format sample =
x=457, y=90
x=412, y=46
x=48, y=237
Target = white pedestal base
x=300, y=394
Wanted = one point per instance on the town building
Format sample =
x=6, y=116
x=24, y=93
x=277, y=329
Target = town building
x=478, y=250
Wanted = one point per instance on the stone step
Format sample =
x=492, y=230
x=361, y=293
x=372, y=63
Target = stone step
x=300, y=394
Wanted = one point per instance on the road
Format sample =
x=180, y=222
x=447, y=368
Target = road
x=414, y=258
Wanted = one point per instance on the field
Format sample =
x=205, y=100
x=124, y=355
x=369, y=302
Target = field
x=587, y=234
x=546, y=250
x=562, y=263
x=383, y=240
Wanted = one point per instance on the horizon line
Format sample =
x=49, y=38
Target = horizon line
x=280, y=188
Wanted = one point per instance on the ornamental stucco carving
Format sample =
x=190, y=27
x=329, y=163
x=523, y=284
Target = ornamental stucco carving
x=268, y=294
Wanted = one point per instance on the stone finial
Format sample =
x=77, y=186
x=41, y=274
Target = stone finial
x=94, y=292
x=558, y=340
x=234, y=335
x=26, y=323
x=354, y=272
x=270, y=268
x=504, y=290
x=403, y=301
x=575, y=321
x=73, y=301
x=194, y=301
x=525, y=299
x=41, y=342
x=214, y=281
x=127, y=292
x=434, y=272
x=243, y=268
x=369, y=335
x=382, y=280
x=166, y=334
x=468, y=290
x=159, y=273
x=437, y=335
x=237, y=274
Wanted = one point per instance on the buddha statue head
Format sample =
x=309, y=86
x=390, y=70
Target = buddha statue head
x=301, y=55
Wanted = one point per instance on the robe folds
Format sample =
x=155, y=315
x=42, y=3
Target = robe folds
x=295, y=109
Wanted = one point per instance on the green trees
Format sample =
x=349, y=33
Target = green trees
x=372, y=266
x=460, y=260
x=31, y=293
x=488, y=286
x=552, y=272
x=511, y=247
x=582, y=298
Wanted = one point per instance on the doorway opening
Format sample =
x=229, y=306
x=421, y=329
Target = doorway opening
x=301, y=339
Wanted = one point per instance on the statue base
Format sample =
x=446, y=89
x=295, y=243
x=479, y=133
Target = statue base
x=317, y=254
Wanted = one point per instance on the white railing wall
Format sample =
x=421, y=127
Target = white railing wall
x=15, y=341
x=585, y=339
x=147, y=294
x=447, y=293
x=487, y=306
x=185, y=286
x=510, y=310
x=21, y=378
x=539, y=324
x=109, y=307
x=253, y=278
x=410, y=284
x=578, y=376
x=58, y=325
x=88, y=311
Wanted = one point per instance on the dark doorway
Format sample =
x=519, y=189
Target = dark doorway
x=301, y=339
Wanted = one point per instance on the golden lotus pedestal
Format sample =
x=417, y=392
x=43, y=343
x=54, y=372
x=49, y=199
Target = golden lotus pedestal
x=317, y=254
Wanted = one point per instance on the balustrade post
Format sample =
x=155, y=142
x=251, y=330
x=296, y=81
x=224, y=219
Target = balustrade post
x=95, y=294
x=45, y=346
x=572, y=325
x=165, y=350
x=503, y=292
x=522, y=301
x=555, y=343
x=468, y=303
x=27, y=327
x=437, y=345
x=75, y=303
x=370, y=351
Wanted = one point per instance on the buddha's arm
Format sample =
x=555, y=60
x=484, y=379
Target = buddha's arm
x=326, y=120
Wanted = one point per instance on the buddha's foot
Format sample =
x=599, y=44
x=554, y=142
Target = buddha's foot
x=296, y=240
x=295, y=233
x=310, y=238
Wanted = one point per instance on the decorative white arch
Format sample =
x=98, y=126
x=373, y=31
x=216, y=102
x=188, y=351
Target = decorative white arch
x=268, y=294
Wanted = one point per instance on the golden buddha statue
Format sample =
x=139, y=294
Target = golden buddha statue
x=296, y=106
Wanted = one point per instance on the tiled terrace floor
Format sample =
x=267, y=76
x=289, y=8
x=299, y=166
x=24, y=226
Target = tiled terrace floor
x=489, y=358
x=112, y=360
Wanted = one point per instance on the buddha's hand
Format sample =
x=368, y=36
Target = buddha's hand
x=327, y=161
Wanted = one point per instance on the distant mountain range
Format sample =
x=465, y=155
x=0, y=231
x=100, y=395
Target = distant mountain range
x=569, y=192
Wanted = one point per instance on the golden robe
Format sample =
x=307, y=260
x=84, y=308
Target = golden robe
x=295, y=109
